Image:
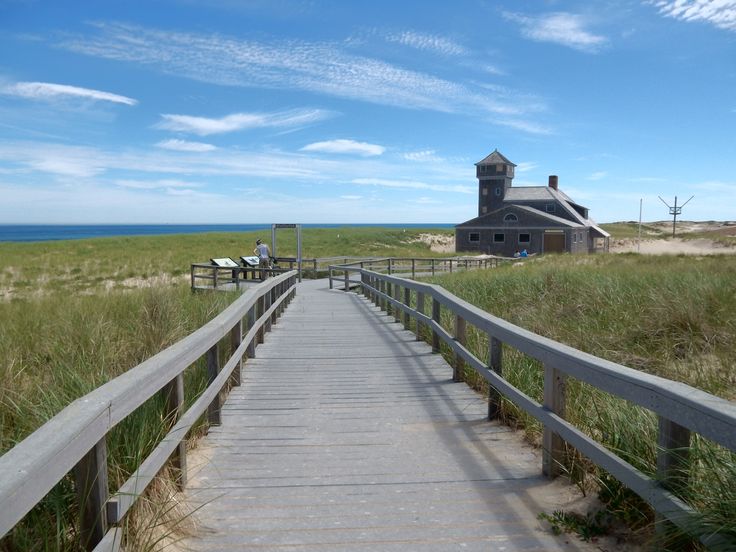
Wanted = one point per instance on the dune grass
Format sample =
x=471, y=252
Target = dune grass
x=669, y=316
x=93, y=265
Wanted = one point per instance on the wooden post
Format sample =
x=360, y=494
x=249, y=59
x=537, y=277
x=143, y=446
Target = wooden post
x=236, y=338
x=272, y=299
x=330, y=276
x=407, y=302
x=261, y=302
x=450, y=266
x=266, y=306
x=347, y=281
x=251, y=321
x=495, y=363
x=432, y=267
x=315, y=268
x=420, y=309
x=390, y=293
x=192, y=277
x=673, y=454
x=213, y=368
x=553, y=447
x=458, y=366
x=90, y=477
x=174, y=396
x=413, y=269
x=382, y=287
x=389, y=265
x=436, y=318
x=215, y=271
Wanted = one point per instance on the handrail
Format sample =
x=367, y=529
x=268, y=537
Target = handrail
x=680, y=407
x=74, y=439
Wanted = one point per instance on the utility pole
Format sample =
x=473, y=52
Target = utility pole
x=674, y=211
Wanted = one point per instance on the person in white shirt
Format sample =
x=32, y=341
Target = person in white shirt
x=264, y=257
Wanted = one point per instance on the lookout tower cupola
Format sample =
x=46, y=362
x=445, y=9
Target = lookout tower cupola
x=494, y=173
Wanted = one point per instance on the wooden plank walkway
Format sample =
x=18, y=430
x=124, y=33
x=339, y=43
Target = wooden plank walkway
x=347, y=434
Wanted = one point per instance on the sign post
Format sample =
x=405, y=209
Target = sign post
x=298, y=228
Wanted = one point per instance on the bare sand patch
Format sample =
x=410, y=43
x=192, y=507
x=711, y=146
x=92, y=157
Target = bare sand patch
x=672, y=246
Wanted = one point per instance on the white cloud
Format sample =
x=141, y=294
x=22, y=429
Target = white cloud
x=351, y=197
x=183, y=145
x=323, y=68
x=721, y=13
x=422, y=156
x=50, y=91
x=345, y=146
x=156, y=184
x=599, y=175
x=561, y=28
x=526, y=126
x=421, y=41
x=205, y=126
x=526, y=166
x=413, y=185
x=425, y=201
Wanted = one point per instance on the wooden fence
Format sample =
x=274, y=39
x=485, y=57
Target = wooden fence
x=74, y=440
x=410, y=266
x=680, y=409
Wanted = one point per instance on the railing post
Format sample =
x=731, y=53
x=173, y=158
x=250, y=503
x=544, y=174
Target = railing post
x=236, y=338
x=673, y=454
x=553, y=447
x=90, y=476
x=458, y=367
x=213, y=368
x=330, y=276
x=495, y=363
x=266, y=306
x=382, y=301
x=390, y=294
x=436, y=318
x=413, y=269
x=347, y=281
x=215, y=278
x=251, y=321
x=272, y=299
x=174, y=394
x=432, y=267
x=407, y=302
x=450, y=266
x=420, y=309
x=192, y=277
x=261, y=302
x=389, y=265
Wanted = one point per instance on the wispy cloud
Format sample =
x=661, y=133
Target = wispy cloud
x=526, y=126
x=183, y=145
x=427, y=42
x=526, y=166
x=422, y=156
x=50, y=91
x=156, y=184
x=317, y=67
x=345, y=146
x=721, y=13
x=351, y=197
x=204, y=126
x=563, y=28
x=413, y=185
x=599, y=175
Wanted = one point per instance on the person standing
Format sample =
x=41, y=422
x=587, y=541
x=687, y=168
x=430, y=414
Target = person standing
x=264, y=258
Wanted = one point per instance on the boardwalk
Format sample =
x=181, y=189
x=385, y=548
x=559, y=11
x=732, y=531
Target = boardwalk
x=347, y=434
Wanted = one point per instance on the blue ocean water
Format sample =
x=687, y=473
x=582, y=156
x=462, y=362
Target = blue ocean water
x=53, y=232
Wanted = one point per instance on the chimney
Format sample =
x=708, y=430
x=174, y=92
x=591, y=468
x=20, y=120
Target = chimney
x=553, y=181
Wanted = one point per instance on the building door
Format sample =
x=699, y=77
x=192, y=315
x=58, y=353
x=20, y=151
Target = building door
x=554, y=242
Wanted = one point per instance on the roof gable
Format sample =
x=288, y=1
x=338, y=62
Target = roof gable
x=495, y=158
x=495, y=218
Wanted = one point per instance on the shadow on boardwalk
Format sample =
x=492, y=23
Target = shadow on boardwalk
x=347, y=434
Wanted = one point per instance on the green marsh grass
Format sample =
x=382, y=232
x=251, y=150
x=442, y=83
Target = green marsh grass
x=670, y=316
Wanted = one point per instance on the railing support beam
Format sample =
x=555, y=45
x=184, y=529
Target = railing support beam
x=553, y=447
x=90, y=477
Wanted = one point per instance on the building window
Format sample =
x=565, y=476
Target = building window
x=550, y=207
x=474, y=237
x=497, y=191
x=498, y=238
x=574, y=237
x=484, y=191
x=499, y=168
x=511, y=217
x=524, y=238
x=484, y=209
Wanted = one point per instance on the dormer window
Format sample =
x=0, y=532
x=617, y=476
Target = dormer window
x=511, y=217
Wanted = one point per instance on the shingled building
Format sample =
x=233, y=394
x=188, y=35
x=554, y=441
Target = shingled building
x=540, y=219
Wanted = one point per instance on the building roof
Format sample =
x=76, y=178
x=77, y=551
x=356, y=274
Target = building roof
x=495, y=158
x=531, y=210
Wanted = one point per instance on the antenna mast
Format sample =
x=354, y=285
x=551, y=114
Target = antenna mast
x=674, y=211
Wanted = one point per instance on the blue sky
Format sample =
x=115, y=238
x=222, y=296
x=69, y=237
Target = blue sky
x=186, y=111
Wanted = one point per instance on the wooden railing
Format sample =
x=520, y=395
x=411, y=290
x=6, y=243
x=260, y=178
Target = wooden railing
x=680, y=409
x=74, y=440
x=410, y=266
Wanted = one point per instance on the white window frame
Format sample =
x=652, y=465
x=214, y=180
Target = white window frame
x=475, y=235
x=510, y=217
